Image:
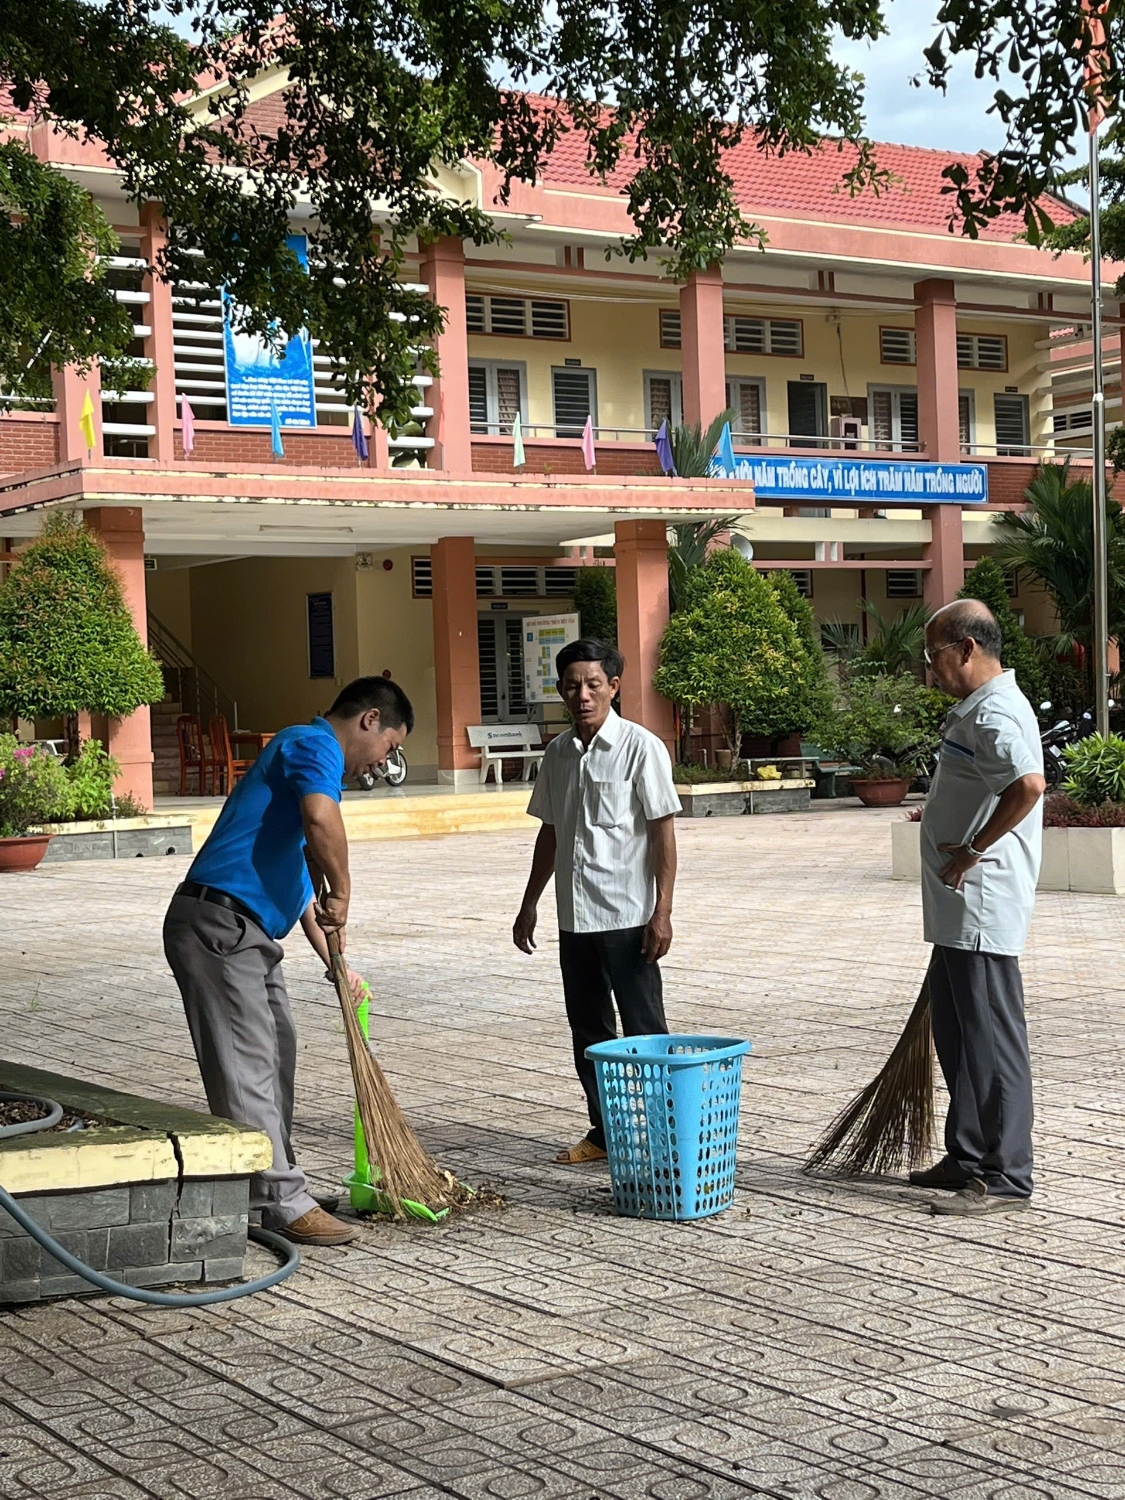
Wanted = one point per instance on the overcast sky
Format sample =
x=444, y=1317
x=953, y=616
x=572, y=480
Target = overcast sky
x=896, y=111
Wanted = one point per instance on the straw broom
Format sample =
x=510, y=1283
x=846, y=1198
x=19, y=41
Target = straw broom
x=889, y=1126
x=407, y=1171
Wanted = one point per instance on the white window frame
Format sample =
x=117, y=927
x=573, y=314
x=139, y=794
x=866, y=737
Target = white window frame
x=487, y=330
x=910, y=338
x=970, y=342
x=677, y=380
x=896, y=393
x=969, y=395
x=732, y=382
x=492, y=400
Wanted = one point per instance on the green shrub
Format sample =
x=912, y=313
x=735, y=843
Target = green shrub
x=67, y=640
x=595, y=599
x=91, y=779
x=884, y=724
x=1096, y=767
x=34, y=787
x=732, y=647
x=985, y=581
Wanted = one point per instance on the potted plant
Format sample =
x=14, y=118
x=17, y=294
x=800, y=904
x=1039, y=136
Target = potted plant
x=881, y=724
x=34, y=789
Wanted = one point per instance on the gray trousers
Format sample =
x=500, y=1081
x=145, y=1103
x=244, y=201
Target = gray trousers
x=229, y=974
x=976, y=1002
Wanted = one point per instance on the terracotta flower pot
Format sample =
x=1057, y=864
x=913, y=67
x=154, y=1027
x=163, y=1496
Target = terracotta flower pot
x=881, y=793
x=22, y=853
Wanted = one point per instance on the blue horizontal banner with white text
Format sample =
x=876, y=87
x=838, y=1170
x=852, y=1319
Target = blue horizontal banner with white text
x=857, y=480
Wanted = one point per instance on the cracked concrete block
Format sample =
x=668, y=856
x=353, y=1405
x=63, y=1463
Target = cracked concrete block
x=195, y=1199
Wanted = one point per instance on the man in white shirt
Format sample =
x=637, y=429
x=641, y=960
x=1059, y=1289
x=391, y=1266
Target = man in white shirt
x=606, y=800
x=982, y=832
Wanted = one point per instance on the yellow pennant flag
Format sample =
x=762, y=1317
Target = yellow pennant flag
x=86, y=422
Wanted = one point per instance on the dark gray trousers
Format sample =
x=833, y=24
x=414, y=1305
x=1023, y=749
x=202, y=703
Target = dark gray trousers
x=597, y=969
x=229, y=974
x=976, y=1002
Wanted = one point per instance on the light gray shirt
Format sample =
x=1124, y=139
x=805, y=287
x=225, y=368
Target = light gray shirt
x=988, y=741
x=600, y=800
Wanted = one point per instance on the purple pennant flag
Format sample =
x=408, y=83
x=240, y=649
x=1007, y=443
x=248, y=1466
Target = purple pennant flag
x=359, y=437
x=664, y=449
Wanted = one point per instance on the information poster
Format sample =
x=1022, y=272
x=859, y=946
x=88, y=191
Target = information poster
x=543, y=637
x=258, y=376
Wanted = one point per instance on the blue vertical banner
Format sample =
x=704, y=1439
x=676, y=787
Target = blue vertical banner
x=260, y=379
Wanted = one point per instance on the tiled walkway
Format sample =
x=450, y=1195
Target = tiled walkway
x=819, y=1339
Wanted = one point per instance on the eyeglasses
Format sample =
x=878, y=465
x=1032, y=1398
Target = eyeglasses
x=929, y=655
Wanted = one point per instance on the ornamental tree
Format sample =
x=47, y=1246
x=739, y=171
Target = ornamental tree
x=985, y=581
x=67, y=640
x=730, y=646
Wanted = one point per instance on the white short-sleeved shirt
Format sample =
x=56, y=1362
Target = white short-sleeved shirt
x=600, y=801
x=988, y=741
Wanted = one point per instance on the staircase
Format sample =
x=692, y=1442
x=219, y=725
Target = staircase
x=188, y=689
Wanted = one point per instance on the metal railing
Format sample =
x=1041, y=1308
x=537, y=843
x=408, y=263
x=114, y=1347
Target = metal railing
x=197, y=691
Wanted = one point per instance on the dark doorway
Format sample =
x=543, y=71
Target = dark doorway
x=808, y=407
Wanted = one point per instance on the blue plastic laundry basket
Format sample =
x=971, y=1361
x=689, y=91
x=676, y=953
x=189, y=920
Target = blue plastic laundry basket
x=670, y=1106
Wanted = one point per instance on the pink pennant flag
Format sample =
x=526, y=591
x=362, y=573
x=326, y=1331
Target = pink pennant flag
x=187, y=425
x=588, y=443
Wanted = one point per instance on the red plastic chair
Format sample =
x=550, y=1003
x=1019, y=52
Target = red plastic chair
x=194, y=760
x=224, y=767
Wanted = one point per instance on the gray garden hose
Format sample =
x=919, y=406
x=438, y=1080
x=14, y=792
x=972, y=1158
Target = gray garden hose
x=283, y=1247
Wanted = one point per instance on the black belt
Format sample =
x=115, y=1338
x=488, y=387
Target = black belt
x=219, y=898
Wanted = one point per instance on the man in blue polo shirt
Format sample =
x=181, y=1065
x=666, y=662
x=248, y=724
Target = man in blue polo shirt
x=247, y=887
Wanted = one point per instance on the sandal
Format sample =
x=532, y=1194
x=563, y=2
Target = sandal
x=573, y=1156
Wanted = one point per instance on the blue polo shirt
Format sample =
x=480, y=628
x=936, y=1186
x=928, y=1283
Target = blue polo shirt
x=256, y=850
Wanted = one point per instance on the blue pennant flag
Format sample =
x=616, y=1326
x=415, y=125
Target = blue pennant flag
x=275, y=431
x=664, y=449
x=359, y=437
x=723, y=462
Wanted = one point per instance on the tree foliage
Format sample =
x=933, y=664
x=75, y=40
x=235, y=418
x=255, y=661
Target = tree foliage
x=985, y=581
x=732, y=647
x=1038, y=54
x=817, y=683
x=380, y=94
x=1053, y=541
x=67, y=640
x=595, y=599
x=883, y=723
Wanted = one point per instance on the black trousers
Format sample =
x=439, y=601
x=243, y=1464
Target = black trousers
x=976, y=1003
x=597, y=969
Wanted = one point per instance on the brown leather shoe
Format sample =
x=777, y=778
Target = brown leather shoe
x=318, y=1228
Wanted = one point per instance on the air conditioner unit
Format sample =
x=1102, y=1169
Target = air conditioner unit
x=849, y=428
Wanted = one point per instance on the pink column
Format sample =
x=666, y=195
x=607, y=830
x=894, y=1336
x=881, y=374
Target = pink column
x=456, y=657
x=946, y=551
x=641, y=550
x=70, y=395
x=704, y=358
x=158, y=345
x=443, y=271
x=130, y=740
x=935, y=338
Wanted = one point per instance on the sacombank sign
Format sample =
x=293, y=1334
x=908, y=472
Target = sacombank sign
x=881, y=482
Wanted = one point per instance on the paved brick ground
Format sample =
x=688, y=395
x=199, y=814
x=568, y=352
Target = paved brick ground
x=818, y=1340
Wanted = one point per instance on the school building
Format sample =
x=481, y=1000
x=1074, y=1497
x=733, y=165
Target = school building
x=865, y=336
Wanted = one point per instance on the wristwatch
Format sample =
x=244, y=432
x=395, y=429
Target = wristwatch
x=976, y=853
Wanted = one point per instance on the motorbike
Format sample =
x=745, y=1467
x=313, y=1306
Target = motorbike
x=1057, y=736
x=393, y=772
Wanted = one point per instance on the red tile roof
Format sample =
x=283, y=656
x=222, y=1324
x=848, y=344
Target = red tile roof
x=812, y=185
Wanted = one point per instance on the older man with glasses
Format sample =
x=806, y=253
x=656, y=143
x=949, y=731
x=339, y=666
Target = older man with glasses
x=982, y=833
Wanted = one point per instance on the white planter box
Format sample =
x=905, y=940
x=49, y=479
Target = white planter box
x=1074, y=859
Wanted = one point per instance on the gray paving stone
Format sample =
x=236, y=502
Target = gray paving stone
x=828, y=1338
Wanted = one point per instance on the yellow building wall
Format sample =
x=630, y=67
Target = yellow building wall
x=168, y=593
x=621, y=342
x=395, y=632
x=249, y=624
